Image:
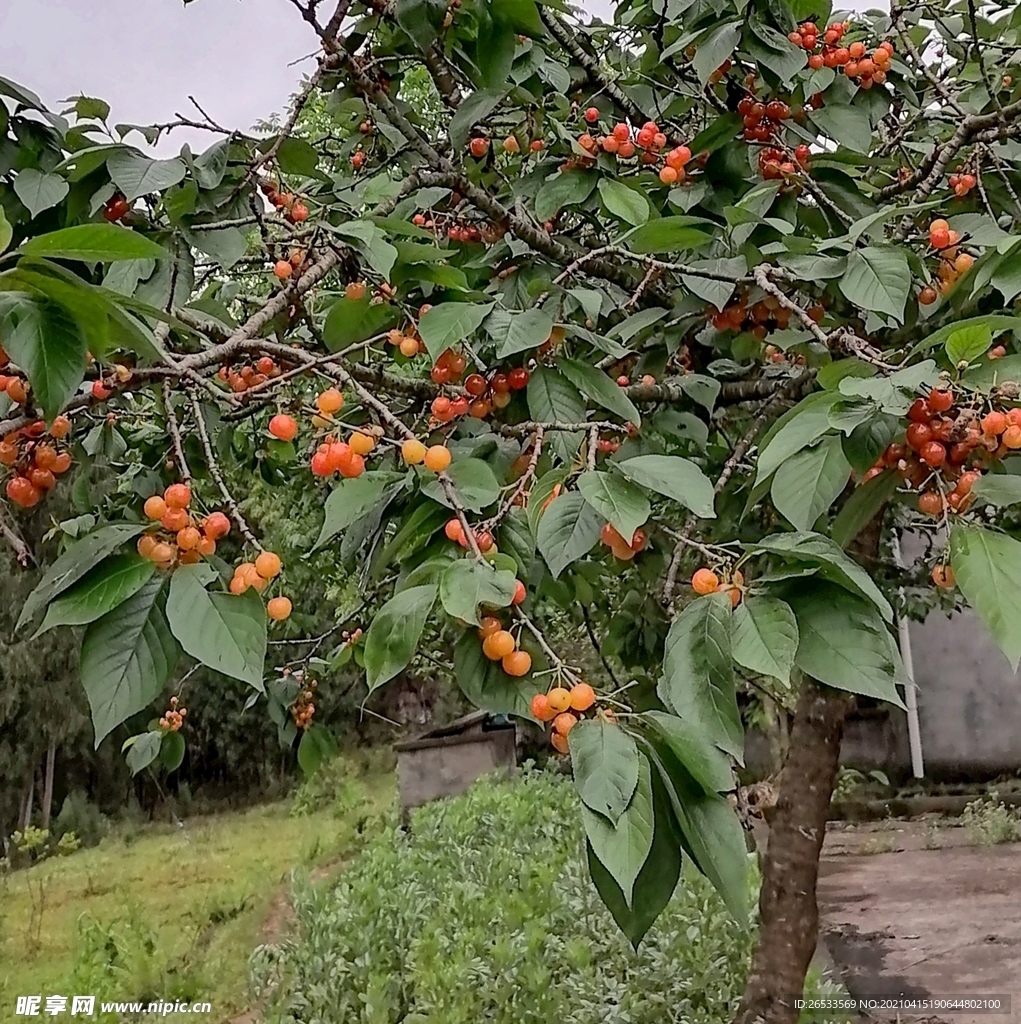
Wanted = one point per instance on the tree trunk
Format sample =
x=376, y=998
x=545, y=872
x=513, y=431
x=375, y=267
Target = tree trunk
x=788, y=913
x=51, y=758
x=26, y=802
x=787, y=906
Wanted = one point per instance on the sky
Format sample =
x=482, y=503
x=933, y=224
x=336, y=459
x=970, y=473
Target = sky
x=145, y=57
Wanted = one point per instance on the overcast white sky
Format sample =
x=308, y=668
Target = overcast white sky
x=145, y=57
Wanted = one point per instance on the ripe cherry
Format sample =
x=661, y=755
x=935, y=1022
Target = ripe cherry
x=517, y=663
x=705, y=581
x=582, y=697
x=476, y=385
x=918, y=435
x=559, y=699
x=592, y=115
x=498, y=645
x=930, y=502
x=99, y=391
x=479, y=147
x=116, y=208
x=283, y=427
x=943, y=576
x=520, y=592
x=932, y=453
x=278, y=608
x=518, y=378
x=283, y=269
x=541, y=709
x=177, y=496
x=437, y=458
x=940, y=401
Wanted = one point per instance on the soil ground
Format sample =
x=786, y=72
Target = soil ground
x=901, y=917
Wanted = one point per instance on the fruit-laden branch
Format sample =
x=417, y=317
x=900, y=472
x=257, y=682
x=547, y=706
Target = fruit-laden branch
x=786, y=391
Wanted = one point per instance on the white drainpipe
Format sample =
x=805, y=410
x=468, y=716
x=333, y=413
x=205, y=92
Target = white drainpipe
x=910, y=690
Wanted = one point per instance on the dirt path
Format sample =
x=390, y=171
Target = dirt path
x=279, y=921
x=944, y=922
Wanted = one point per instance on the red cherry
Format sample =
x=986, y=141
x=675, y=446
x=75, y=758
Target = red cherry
x=500, y=384
x=919, y=411
x=518, y=378
x=918, y=435
x=476, y=385
x=940, y=401
x=932, y=453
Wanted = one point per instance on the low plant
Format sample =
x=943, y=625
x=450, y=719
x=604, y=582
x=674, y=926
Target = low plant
x=336, y=785
x=483, y=910
x=989, y=822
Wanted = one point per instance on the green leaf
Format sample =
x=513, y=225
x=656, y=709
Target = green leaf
x=623, y=848
x=92, y=108
x=862, y=506
x=99, y=591
x=485, y=683
x=350, y=321
x=878, y=279
x=833, y=564
x=74, y=563
x=713, y=47
x=795, y=430
x=711, y=834
x=468, y=583
x=475, y=483
x=765, y=637
x=999, y=489
x=211, y=165
x=656, y=881
x=668, y=234
x=552, y=397
x=396, y=628
x=6, y=231
x=172, y=751
x=604, y=759
x=127, y=657
x=516, y=332
x=674, y=477
x=626, y=203
x=351, y=499
x=844, y=643
x=987, y=567
x=144, y=749
x=421, y=20
x=39, y=191
x=966, y=344
x=136, y=175
x=315, y=746
x=47, y=342
x=94, y=243
x=706, y=764
x=226, y=632
x=716, y=293
x=449, y=323
x=373, y=244
x=846, y=125
x=568, y=188
x=698, y=672
x=568, y=529
x=618, y=501
x=471, y=110
x=596, y=385
x=807, y=484
x=296, y=156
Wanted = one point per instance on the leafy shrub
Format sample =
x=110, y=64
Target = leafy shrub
x=989, y=822
x=82, y=817
x=484, y=911
x=335, y=784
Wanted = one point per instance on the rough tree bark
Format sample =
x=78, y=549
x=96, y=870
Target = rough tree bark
x=788, y=912
x=25, y=818
x=51, y=758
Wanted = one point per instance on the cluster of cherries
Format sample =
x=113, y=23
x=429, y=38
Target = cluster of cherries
x=15, y=387
x=258, y=575
x=512, y=145
x=760, y=318
x=946, y=447
x=249, y=376
x=622, y=548
x=854, y=59
x=776, y=355
x=565, y=708
x=173, y=717
x=35, y=460
x=303, y=707
x=295, y=211
x=484, y=542
x=498, y=644
x=332, y=456
x=705, y=581
x=953, y=263
x=183, y=539
x=295, y=265
x=962, y=182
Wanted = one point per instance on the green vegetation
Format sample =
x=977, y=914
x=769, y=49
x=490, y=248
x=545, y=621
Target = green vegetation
x=483, y=910
x=168, y=911
x=989, y=822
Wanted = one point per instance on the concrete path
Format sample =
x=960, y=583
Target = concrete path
x=944, y=922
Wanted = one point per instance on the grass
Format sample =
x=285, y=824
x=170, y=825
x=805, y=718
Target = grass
x=170, y=910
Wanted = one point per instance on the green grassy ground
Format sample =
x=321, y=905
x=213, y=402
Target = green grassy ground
x=165, y=911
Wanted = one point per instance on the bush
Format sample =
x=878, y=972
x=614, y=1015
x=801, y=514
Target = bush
x=82, y=817
x=989, y=822
x=485, y=912
x=334, y=785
